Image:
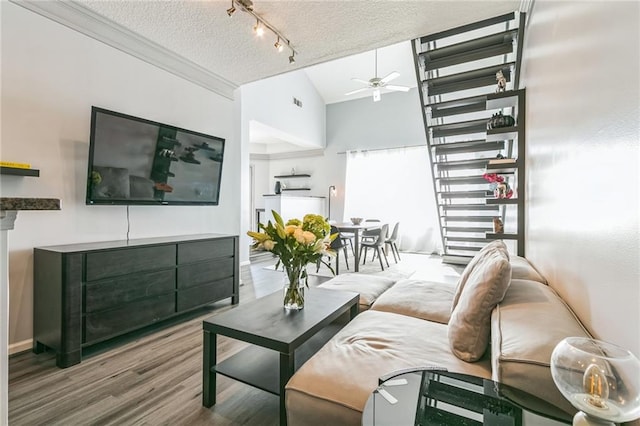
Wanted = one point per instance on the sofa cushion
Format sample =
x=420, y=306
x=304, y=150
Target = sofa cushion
x=418, y=298
x=470, y=323
x=333, y=386
x=478, y=259
x=368, y=286
x=525, y=328
x=522, y=269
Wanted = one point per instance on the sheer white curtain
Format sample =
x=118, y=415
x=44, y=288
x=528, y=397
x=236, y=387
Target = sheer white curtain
x=395, y=185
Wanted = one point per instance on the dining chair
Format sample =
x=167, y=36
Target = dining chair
x=336, y=245
x=391, y=242
x=370, y=234
x=377, y=245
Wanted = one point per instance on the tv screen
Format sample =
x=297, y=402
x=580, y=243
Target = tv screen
x=138, y=161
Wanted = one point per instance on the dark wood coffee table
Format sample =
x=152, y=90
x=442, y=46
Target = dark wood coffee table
x=282, y=340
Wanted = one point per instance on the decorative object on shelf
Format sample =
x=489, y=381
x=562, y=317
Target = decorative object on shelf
x=498, y=185
x=296, y=243
x=278, y=188
x=356, y=220
x=15, y=165
x=498, y=226
x=502, y=82
x=499, y=120
x=600, y=379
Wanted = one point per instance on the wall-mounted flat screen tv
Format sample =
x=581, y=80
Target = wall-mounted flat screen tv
x=138, y=161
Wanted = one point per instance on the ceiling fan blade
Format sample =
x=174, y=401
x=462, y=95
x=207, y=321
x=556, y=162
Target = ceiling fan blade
x=353, y=92
x=360, y=81
x=389, y=77
x=397, y=88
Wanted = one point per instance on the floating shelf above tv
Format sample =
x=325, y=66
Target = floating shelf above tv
x=18, y=171
x=292, y=176
x=296, y=189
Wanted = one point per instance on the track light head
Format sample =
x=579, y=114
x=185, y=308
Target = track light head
x=292, y=58
x=258, y=29
x=279, y=47
x=231, y=11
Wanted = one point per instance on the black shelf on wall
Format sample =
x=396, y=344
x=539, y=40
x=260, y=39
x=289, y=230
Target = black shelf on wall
x=292, y=176
x=17, y=171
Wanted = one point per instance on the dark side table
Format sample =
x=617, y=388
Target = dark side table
x=281, y=340
x=432, y=397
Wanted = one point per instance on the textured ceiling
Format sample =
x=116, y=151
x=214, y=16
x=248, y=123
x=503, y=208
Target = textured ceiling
x=320, y=31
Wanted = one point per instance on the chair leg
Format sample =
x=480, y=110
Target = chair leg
x=393, y=252
x=317, y=265
x=385, y=258
x=337, y=262
x=380, y=257
x=395, y=246
x=346, y=257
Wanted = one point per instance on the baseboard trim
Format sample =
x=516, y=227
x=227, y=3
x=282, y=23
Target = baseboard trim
x=18, y=347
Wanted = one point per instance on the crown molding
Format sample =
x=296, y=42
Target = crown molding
x=79, y=18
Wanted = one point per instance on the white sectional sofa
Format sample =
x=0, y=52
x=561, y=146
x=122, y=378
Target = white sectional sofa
x=500, y=321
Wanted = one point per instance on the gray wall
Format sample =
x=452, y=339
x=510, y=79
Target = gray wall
x=581, y=73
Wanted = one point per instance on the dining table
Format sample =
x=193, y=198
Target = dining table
x=356, y=229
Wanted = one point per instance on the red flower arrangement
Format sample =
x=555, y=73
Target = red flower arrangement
x=499, y=185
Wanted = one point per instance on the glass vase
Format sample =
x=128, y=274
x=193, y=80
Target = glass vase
x=293, y=289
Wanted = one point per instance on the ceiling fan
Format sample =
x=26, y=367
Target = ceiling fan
x=376, y=83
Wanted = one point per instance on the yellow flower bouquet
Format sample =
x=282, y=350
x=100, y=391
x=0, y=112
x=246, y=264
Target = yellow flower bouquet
x=296, y=243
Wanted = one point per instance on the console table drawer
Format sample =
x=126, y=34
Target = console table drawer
x=204, y=272
x=120, y=262
x=204, y=250
x=205, y=294
x=116, y=291
x=128, y=317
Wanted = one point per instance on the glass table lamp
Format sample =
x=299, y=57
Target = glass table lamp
x=600, y=379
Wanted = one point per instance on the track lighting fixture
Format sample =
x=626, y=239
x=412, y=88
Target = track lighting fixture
x=261, y=25
x=231, y=10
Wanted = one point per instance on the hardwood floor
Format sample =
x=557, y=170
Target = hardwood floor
x=153, y=377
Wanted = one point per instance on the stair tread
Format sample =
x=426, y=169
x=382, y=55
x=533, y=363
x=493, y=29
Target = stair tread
x=469, y=207
x=470, y=50
x=461, y=180
x=476, y=145
x=467, y=80
x=466, y=239
x=456, y=259
x=458, y=106
x=468, y=228
x=465, y=194
x=468, y=27
x=467, y=218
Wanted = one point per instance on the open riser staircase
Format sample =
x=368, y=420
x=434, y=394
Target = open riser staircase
x=456, y=70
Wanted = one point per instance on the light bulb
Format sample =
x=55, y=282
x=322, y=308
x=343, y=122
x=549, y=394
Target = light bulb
x=258, y=29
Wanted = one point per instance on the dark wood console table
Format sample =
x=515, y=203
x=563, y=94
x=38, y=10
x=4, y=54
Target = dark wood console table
x=88, y=293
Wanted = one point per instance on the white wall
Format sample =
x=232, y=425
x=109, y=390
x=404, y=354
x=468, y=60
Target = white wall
x=270, y=102
x=581, y=69
x=51, y=76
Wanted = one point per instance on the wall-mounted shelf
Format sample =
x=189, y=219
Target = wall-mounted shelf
x=292, y=176
x=296, y=189
x=18, y=171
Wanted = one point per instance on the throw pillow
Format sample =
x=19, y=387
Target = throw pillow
x=470, y=323
x=477, y=259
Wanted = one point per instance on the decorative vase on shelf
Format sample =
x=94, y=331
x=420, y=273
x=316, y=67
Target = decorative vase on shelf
x=294, y=288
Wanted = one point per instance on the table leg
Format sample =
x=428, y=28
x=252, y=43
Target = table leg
x=287, y=365
x=353, y=311
x=208, y=362
x=356, y=244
